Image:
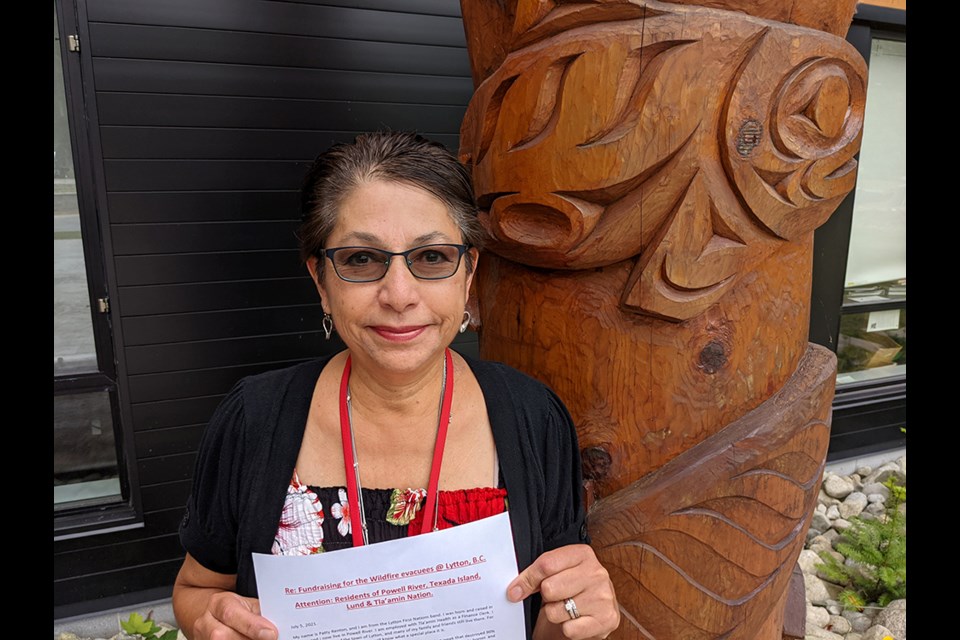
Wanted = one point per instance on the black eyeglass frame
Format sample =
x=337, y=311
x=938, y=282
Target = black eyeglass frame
x=461, y=249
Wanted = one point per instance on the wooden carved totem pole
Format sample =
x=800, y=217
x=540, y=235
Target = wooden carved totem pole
x=651, y=174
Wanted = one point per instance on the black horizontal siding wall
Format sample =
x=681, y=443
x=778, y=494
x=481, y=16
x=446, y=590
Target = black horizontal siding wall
x=208, y=114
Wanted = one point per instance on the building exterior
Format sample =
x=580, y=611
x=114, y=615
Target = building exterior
x=181, y=133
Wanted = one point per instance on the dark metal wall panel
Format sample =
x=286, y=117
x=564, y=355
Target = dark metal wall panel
x=168, y=495
x=152, y=76
x=165, y=442
x=167, y=468
x=184, y=384
x=222, y=353
x=137, y=552
x=216, y=295
x=178, y=268
x=203, y=206
x=231, y=144
x=126, y=41
x=214, y=325
x=187, y=237
x=293, y=19
x=188, y=175
x=265, y=113
x=174, y=413
x=88, y=591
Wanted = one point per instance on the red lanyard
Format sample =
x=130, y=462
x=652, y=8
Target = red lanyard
x=353, y=491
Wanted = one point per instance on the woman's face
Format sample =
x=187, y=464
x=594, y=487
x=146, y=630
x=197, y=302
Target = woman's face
x=399, y=324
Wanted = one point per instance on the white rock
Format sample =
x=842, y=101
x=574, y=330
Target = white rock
x=850, y=636
x=874, y=498
x=833, y=512
x=821, y=508
x=876, y=508
x=817, y=633
x=852, y=505
x=817, y=617
x=839, y=624
x=826, y=500
x=816, y=590
x=834, y=608
x=885, y=471
x=876, y=487
x=841, y=525
x=864, y=471
x=820, y=522
x=902, y=461
x=878, y=632
x=820, y=543
x=894, y=617
x=808, y=561
x=860, y=622
x=838, y=486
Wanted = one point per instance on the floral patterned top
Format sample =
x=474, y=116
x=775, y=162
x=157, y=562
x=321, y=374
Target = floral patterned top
x=317, y=519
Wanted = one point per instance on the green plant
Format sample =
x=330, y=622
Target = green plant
x=877, y=550
x=146, y=628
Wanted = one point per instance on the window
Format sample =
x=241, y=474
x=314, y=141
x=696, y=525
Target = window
x=90, y=482
x=872, y=340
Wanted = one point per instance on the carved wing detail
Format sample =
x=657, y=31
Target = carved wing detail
x=733, y=513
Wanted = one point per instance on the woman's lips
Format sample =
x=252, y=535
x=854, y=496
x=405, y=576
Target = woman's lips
x=399, y=334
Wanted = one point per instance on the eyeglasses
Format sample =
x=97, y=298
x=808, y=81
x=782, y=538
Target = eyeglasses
x=366, y=264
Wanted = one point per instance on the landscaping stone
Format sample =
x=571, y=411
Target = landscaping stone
x=820, y=522
x=839, y=624
x=878, y=488
x=821, y=634
x=817, y=617
x=852, y=505
x=894, y=617
x=839, y=487
x=878, y=632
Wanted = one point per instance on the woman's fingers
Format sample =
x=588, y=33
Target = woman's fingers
x=547, y=565
x=571, y=572
x=231, y=616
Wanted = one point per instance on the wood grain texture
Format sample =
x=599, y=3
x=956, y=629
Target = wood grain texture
x=642, y=390
x=691, y=140
x=705, y=546
x=651, y=175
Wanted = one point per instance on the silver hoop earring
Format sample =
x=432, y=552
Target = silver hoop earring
x=327, y=325
x=466, y=321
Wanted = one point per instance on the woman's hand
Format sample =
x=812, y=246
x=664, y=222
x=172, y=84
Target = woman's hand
x=569, y=572
x=207, y=607
x=233, y=616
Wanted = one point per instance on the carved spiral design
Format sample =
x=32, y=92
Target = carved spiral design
x=811, y=117
x=793, y=175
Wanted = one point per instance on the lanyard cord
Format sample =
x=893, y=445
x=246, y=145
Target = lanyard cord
x=358, y=520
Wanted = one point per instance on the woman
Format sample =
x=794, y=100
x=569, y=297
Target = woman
x=275, y=472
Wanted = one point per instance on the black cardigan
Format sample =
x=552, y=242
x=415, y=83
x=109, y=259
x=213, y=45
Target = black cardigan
x=249, y=449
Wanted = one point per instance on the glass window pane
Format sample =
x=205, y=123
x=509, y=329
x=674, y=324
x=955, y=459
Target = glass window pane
x=872, y=345
x=878, y=238
x=84, y=453
x=74, y=350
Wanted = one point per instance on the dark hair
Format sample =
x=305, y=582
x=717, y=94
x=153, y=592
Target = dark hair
x=401, y=157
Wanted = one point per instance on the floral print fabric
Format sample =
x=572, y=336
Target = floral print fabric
x=391, y=514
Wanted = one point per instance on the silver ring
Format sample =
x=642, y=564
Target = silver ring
x=571, y=608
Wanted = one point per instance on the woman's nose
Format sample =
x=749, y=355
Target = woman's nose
x=398, y=288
